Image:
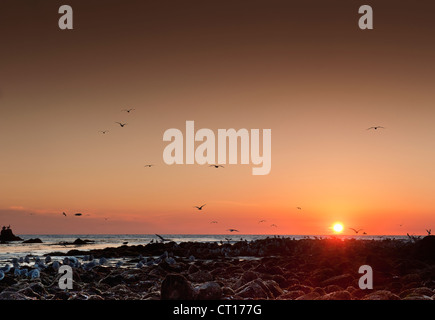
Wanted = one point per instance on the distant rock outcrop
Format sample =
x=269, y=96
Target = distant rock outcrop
x=7, y=235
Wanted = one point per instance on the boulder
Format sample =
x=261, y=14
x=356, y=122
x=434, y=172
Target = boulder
x=176, y=287
x=6, y=235
x=209, y=291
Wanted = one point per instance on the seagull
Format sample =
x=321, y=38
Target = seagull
x=214, y=222
x=356, y=231
x=121, y=124
x=376, y=128
x=299, y=208
x=261, y=221
x=200, y=208
x=232, y=230
x=64, y=214
x=216, y=166
x=274, y=225
x=163, y=239
x=78, y=214
x=148, y=165
x=104, y=131
x=128, y=110
x=429, y=231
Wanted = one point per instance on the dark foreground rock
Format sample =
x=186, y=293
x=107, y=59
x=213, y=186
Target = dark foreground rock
x=7, y=235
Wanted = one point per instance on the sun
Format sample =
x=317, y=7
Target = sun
x=338, y=227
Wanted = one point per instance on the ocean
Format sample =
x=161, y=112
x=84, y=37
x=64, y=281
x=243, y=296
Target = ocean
x=53, y=243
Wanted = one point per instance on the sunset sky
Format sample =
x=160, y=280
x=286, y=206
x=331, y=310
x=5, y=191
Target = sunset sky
x=304, y=70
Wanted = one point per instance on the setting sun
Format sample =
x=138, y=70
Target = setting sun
x=338, y=227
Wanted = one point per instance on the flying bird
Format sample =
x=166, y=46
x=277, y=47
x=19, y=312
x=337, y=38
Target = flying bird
x=356, y=231
x=121, y=124
x=199, y=208
x=376, y=128
x=128, y=110
x=148, y=165
x=214, y=222
x=78, y=214
x=429, y=231
x=216, y=166
x=64, y=214
x=274, y=225
x=103, y=131
x=261, y=221
x=299, y=208
x=232, y=230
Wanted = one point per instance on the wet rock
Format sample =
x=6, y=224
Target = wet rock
x=176, y=287
x=425, y=249
x=255, y=289
x=342, y=280
x=291, y=295
x=305, y=289
x=33, y=240
x=274, y=288
x=209, y=291
x=12, y=295
x=200, y=276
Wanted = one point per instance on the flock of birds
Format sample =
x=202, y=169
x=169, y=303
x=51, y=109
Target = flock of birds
x=216, y=166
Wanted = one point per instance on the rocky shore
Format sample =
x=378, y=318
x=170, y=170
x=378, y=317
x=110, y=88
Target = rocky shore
x=274, y=268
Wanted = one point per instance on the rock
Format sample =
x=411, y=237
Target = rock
x=35, y=240
x=309, y=296
x=333, y=288
x=381, y=295
x=80, y=241
x=176, y=287
x=12, y=295
x=6, y=235
x=192, y=269
x=112, y=280
x=291, y=295
x=200, y=276
x=305, y=289
x=343, y=281
x=254, y=289
x=338, y=295
x=209, y=291
x=274, y=288
x=425, y=249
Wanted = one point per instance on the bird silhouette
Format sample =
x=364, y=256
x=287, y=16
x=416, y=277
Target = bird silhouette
x=103, y=131
x=128, y=110
x=216, y=166
x=274, y=225
x=261, y=221
x=364, y=232
x=214, y=222
x=376, y=128
x=148, y=165
x=429, y=231
x=299, y=208
x=232, y=230
x=199, y=208
x=64, y=214
x=356, y=231
x=78, y=214
x=121, y=124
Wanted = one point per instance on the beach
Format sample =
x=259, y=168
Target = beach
x=272, y=268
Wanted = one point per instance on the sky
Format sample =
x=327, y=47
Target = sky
x=304, y=70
